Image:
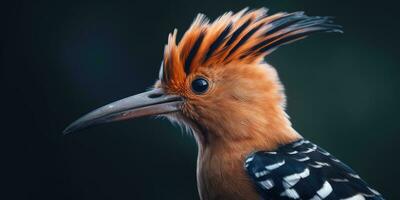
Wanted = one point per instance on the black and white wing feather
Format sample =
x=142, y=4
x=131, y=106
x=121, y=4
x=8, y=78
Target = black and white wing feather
x=302, y=170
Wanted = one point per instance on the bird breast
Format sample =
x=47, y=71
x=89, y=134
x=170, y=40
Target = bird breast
x=221, y=175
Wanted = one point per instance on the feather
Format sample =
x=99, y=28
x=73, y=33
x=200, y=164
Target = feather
x=247, y=36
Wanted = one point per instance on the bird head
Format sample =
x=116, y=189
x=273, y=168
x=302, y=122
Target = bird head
x=215, y=81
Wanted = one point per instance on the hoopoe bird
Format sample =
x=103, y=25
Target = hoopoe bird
x=216, y=83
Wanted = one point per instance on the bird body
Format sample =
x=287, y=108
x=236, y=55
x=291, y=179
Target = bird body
x=216, y=83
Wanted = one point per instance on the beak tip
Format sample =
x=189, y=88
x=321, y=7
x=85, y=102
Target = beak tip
x=72, y=128
x=67, y=130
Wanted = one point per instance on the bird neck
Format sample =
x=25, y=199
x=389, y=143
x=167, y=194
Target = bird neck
x=247, y=136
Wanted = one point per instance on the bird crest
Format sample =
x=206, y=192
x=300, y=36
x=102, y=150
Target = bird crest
x=242, y=37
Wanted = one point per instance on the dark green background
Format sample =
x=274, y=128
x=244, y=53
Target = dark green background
x=60, y=59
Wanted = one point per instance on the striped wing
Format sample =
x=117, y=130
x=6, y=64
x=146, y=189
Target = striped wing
x=302, y=170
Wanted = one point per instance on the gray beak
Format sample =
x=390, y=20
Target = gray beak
x=154, y=102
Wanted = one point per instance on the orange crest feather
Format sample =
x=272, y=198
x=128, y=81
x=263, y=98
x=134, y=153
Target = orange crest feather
x=244, y=37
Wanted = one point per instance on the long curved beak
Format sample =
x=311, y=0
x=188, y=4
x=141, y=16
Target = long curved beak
x=154, y=102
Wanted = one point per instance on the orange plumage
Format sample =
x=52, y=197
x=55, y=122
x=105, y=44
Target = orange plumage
x=244, y=109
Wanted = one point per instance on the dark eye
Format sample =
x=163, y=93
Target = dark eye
x=199, y=85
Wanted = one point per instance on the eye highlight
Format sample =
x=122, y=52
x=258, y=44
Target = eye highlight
x=200, y=85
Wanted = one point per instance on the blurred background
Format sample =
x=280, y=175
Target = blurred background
x=61, y=59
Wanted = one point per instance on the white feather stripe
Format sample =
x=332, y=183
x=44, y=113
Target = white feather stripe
x=249, y=159
x=374, y=191
x=323, y=192
x=291, y=193
x=324, y=152
x=368, y=195
x=336, y=160
x=319, y=164
x=354, y=175
x=275, y=165
x=292, y=152
x=309, y=150
x=298, y=143
x=261, y=173
x=315, y=166
x=303, y=159
x=289, y=181
x=339, y=180
x=355, y=197
x=323, y=163
x=267, y=184
x=305, y=173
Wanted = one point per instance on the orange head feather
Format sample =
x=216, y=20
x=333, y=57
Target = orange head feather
x=245, y=101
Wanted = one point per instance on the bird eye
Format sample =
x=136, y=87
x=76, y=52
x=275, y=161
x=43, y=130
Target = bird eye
x=199, y=85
